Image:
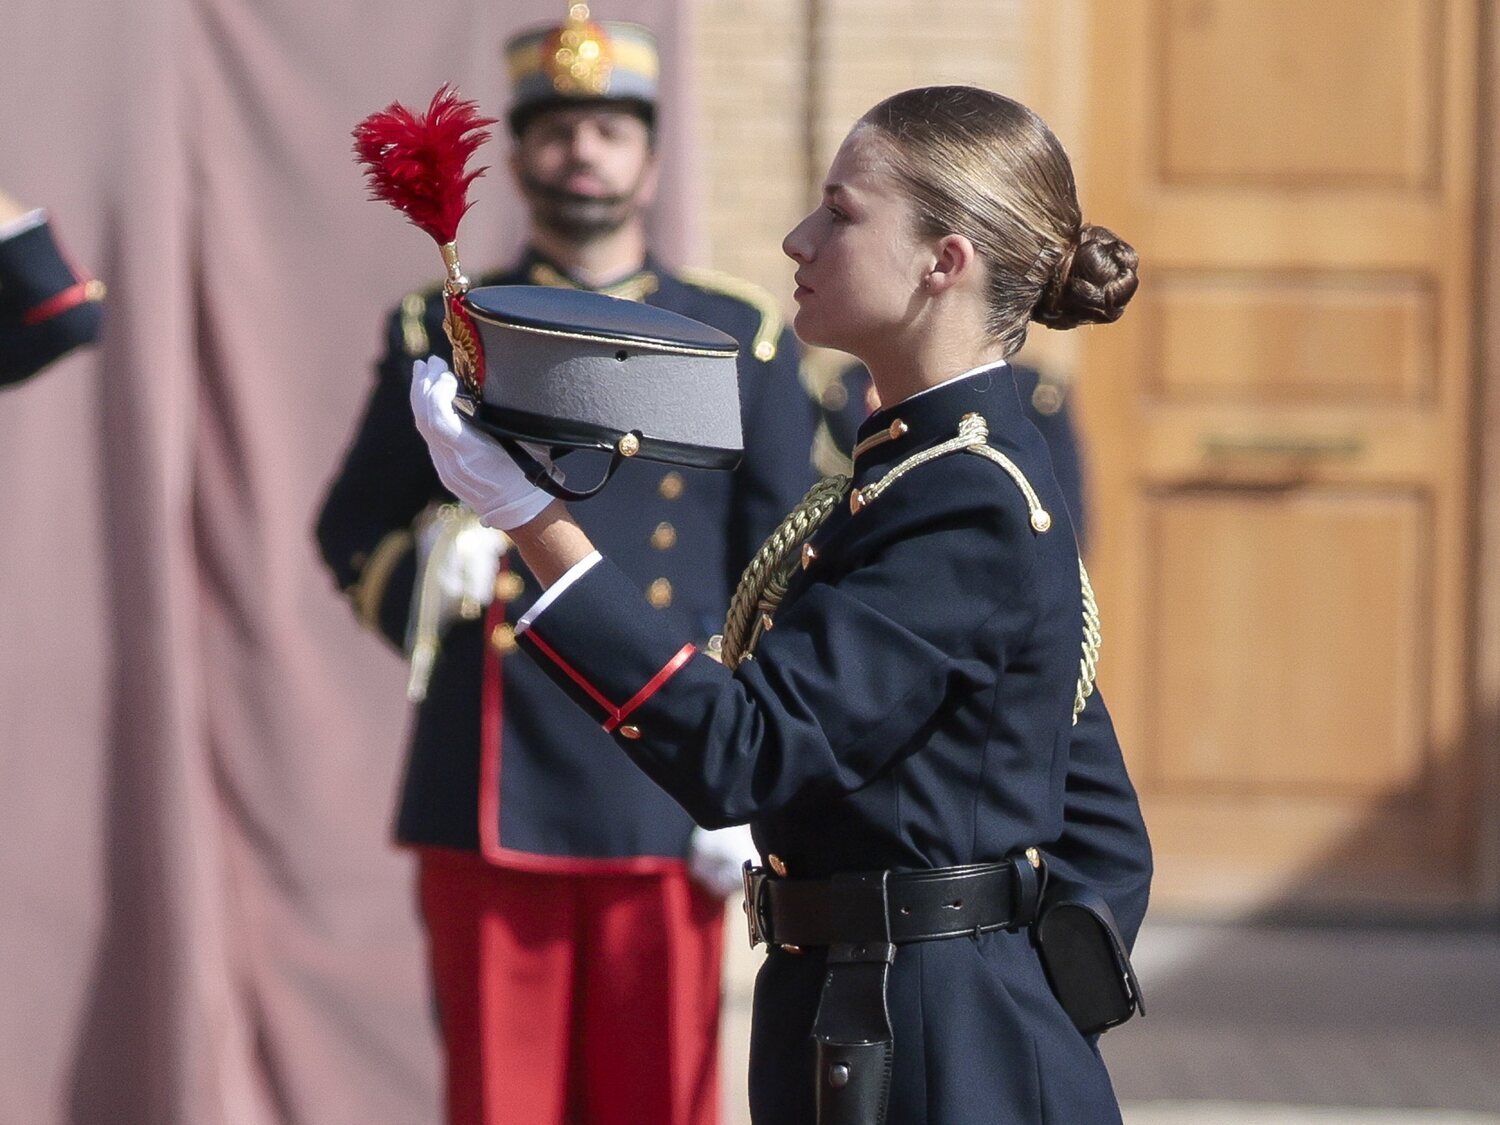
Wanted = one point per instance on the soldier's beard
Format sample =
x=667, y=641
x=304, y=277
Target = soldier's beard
x=576, y=217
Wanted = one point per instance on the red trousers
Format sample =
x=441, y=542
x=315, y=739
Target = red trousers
x=574, y=999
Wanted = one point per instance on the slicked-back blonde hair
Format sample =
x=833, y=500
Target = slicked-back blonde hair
x=982, y=165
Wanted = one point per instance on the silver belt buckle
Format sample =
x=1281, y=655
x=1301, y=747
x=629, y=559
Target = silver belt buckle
x=755, y=881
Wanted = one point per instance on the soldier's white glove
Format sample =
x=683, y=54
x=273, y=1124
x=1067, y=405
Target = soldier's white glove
x=474, y=468
x=716, y=857
x=465, y=570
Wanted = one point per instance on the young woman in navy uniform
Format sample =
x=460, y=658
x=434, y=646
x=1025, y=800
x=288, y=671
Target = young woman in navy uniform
x=905, y=710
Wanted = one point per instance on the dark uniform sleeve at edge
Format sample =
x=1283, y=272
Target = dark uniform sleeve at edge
x=843, y=685
x=384, y=482
x=34, y=272
x=1104, y=843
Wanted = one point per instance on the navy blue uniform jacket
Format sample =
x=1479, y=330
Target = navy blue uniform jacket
x=46, y=307
x=554, y=794
x=911, y=707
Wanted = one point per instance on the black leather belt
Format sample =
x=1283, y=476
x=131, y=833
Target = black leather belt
x=942, y=902
x=860, y=918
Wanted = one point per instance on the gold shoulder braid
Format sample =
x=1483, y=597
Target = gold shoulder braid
x=1092, y=638
x=763, y=584
x=763, y=346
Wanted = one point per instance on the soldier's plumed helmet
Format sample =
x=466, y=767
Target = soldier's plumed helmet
x=571, y=369
x=582, y=61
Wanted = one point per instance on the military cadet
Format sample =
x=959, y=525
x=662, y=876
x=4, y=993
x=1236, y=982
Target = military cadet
x=905, y=709
x=47, y=307
x=576, y=960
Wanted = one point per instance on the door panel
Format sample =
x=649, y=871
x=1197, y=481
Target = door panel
x=1280, y=440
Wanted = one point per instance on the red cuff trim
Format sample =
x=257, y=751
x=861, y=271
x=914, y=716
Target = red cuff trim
x=59, y=303
x=653, y=685
x=577, y=677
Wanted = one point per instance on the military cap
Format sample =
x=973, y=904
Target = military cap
x=571, y=369
x=582, y=61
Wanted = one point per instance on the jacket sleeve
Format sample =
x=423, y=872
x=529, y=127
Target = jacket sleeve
x=46, y=307
x=386, y=479
x=780, y=423
x=1104, y=843
x=844, y=684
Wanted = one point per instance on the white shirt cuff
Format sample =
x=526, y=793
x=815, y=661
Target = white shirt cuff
x=26, y=222
x=554, y=591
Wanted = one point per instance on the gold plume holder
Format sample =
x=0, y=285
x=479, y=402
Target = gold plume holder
x=468, y=359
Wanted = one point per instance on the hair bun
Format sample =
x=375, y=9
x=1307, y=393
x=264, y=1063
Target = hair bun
x=1092, y=284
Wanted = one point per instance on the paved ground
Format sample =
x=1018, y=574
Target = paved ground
x=1252, y=1025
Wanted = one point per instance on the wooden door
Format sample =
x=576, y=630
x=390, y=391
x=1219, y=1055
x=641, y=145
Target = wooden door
x=1281, y=441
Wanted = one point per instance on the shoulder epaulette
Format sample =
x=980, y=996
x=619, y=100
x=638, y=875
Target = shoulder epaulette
x=771, y=321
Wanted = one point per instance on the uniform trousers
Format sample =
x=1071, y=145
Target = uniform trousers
x=573, y=999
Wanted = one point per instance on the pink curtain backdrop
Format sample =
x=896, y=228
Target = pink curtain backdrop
x=202, y=919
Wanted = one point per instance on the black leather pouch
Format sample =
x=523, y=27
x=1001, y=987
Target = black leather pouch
x=1085, y=958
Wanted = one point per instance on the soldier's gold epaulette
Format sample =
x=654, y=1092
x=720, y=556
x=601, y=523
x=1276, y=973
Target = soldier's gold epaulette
x=414, y=338
x=763, y=347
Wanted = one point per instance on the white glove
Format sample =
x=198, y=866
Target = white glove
x=466, y=571
x=473, y=467
x=716, y=857
x=464, y=557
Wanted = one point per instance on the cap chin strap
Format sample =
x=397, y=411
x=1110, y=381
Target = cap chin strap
x=547, y=478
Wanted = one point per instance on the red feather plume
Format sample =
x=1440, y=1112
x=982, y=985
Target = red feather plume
x=416, y=162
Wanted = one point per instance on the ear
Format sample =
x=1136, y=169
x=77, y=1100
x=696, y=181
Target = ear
x=954, y=259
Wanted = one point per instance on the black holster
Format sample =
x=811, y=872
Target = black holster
x=852, y=1029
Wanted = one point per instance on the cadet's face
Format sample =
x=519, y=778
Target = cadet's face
x=859, y=261
x=585, y=171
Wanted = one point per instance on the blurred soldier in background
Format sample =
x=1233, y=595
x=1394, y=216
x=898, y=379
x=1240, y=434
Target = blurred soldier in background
x=574, y=912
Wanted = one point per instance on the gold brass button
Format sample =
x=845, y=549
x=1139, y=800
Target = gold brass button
x=897, y=429
x=509, y=585
x=1047, y=398
x=1041, y=520
x=670, y=486
x=777, y=865
x=664, y=538
x=629, y=445
x=503, y=638
x=659, y=593
x=809, y=553
x=1034, y=858
x=630, y=731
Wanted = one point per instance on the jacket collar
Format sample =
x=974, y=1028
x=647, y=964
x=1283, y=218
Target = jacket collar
x=894, y=433
x=538, y=269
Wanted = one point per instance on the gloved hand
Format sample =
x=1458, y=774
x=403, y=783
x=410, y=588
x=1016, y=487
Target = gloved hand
x=474, y=468
x=464, y=556
x=716, y=857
